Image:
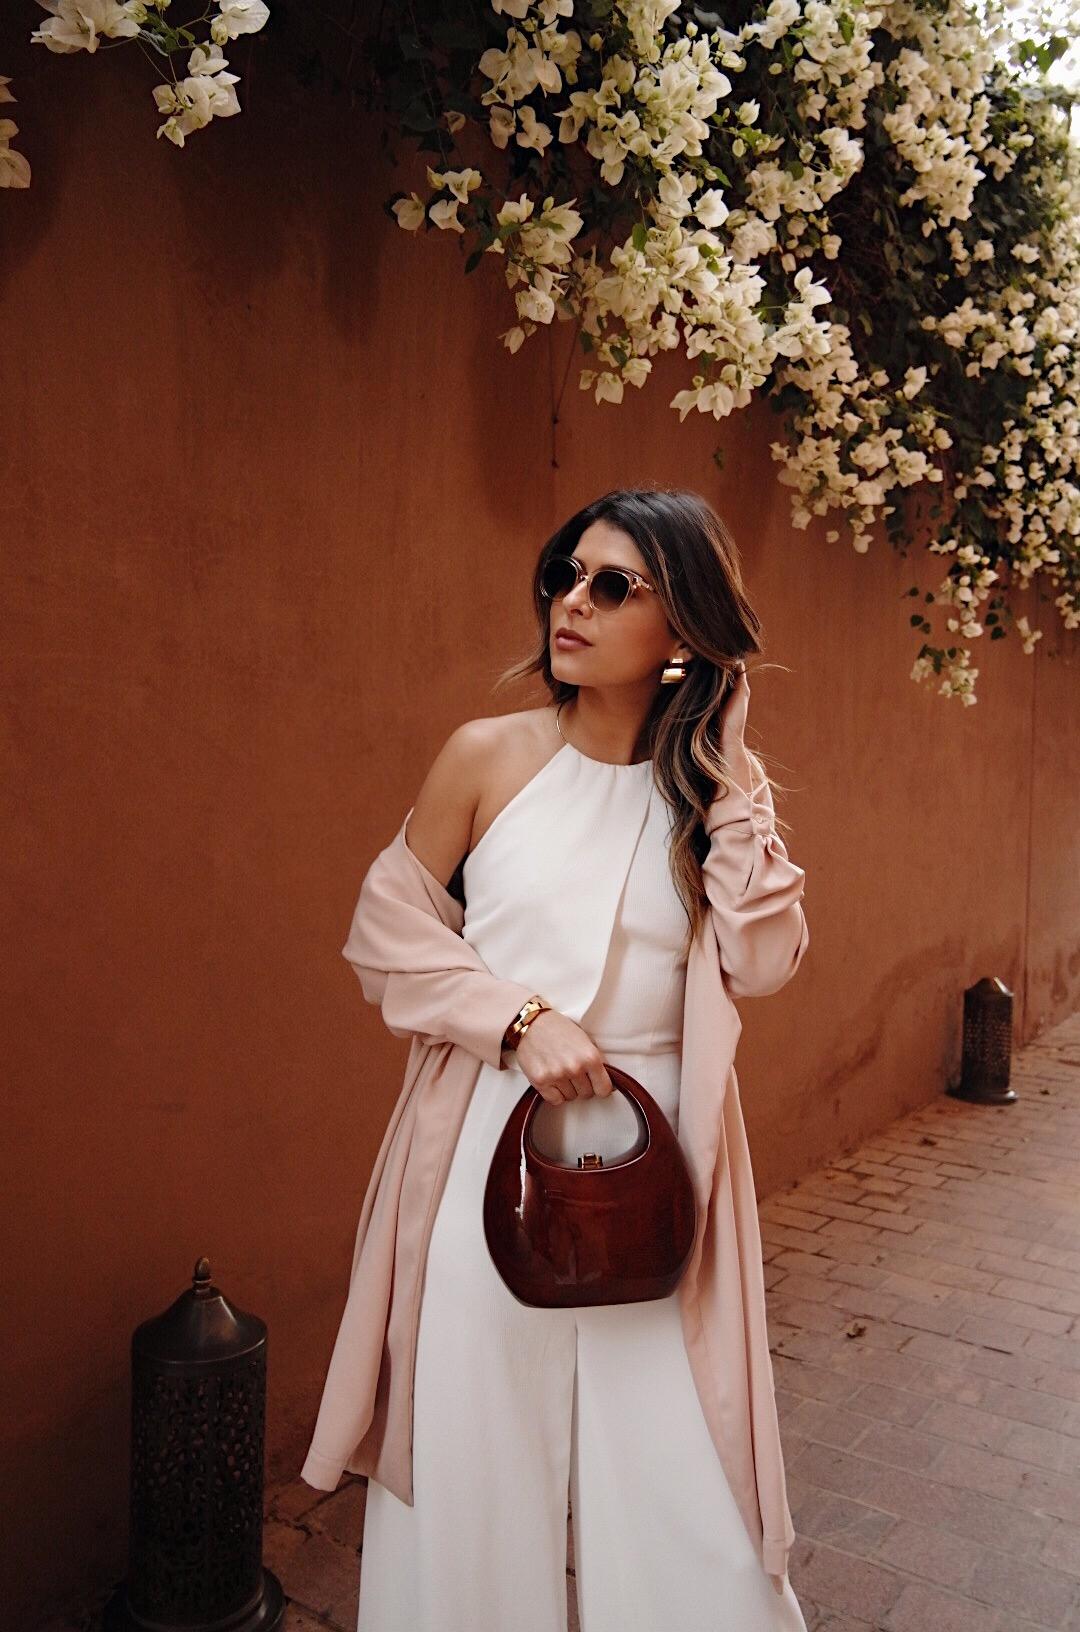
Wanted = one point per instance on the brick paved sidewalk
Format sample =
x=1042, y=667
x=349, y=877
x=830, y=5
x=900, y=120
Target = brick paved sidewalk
x=924, y=1317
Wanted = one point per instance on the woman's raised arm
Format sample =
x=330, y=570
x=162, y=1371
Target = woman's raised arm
x=755, y=890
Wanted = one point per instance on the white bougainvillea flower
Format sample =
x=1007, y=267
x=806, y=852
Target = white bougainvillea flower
x=237, y=17
x=779, y=18
x=502, y=123
x=78, y=25
x=547, y=239
x=914, y=380
x=207, y=60
x=521, y=68
x=535, y=304
x=444, y=214
x=14, y=167
x=5, y=94
x=409, y=212
x=515, y=210
x=533, y=132
x=242, y=16
x=193, y=102
x=1029, y=635
x=711, y=209
x=458, y=182
x=673, y=192
x=609, y=387
x=206, y=94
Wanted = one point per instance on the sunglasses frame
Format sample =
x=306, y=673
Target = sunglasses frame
x=635, y=579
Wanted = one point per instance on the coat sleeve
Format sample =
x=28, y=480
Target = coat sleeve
x=755, y=894
x=406, y=948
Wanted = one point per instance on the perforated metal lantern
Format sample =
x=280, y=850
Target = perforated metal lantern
x=198, y=1411
x=987, y=1048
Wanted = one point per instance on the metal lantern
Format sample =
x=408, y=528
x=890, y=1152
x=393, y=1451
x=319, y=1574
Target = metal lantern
x=198, y=1409
x=987, y=1052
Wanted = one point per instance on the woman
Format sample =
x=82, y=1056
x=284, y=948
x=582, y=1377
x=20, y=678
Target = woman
x=621, y=879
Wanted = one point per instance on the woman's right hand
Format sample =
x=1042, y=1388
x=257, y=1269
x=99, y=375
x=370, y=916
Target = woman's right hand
x=561, y=1060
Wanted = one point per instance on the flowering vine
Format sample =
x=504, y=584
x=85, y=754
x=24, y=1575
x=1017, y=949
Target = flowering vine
x=189, y=102
x=868, y=209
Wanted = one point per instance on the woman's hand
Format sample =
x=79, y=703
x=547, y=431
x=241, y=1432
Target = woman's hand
x=561, y=1060
x=732, y=731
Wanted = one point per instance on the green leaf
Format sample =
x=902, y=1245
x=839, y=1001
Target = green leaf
x=640, y=235
x=160, y=46
x=418, y=115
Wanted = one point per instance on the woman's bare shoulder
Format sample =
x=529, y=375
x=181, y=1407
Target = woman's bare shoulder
x=524, y=726
x=511, y=748
x=475, y=773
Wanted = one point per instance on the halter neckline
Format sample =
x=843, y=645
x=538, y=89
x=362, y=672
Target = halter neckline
x=612, y=764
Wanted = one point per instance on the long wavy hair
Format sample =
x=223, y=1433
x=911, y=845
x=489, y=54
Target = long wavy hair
x=692, y=560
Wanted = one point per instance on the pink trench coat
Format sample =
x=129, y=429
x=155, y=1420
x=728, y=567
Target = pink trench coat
x=406, y=946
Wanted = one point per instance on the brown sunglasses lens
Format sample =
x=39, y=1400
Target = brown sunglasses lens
x=610, y=588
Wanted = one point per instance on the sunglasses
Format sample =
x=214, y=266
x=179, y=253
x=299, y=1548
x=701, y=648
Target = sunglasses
x=608, y=587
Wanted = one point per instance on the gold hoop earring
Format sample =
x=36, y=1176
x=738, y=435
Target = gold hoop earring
x=675, y=670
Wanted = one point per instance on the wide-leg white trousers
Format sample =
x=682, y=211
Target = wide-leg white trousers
x=516, y=1408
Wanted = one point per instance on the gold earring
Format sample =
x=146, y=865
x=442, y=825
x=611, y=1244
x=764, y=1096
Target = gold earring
x=675, y=670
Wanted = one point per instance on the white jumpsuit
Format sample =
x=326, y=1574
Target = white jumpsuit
x=516, y=1408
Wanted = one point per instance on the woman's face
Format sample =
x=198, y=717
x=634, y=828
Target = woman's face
x=632, y=642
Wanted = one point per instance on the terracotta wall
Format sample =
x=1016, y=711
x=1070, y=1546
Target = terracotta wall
x=272, y=491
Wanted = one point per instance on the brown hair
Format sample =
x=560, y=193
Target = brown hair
x=692, y=560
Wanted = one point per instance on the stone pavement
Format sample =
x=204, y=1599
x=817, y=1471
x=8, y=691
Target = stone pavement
x=924, y=1316
x=924, y=1310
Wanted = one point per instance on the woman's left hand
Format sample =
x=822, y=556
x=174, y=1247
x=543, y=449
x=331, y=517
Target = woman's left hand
x=733, y=728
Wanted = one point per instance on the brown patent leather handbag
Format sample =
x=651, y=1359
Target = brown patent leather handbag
x=615, y=1231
